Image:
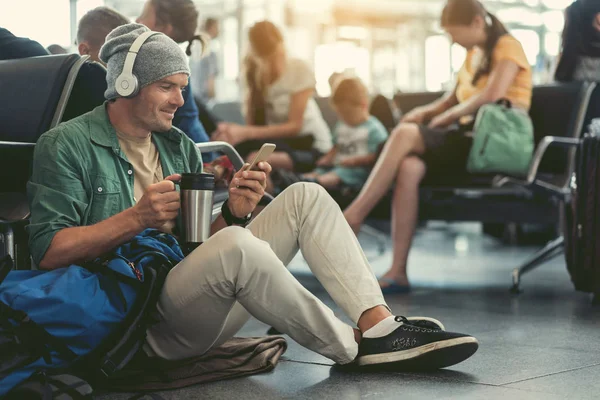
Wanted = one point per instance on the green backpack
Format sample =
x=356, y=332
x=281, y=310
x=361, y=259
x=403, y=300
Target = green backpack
x=503, y=140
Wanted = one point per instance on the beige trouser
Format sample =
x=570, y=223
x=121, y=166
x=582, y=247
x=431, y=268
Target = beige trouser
x=205, y=297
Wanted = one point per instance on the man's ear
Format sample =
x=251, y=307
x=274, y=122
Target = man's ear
x=597, y=22
x=167, y=29
x=83, y=49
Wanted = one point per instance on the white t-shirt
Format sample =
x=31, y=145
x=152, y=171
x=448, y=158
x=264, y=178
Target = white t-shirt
x=298, y=76
x=359, y=140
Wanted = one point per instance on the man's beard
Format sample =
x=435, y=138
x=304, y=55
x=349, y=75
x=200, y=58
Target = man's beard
x=159, y=125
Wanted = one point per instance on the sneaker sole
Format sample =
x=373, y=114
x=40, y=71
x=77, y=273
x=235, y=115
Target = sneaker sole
x=430, y=356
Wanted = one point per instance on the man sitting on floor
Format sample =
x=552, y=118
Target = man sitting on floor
x=101, y=178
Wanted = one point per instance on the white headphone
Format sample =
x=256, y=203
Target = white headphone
x=127, y=84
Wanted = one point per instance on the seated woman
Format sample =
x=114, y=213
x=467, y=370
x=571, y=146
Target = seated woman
x=436, y=138
x=580, y=57
x=279, y=93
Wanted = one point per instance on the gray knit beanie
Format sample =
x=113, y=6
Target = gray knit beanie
x=158, y=57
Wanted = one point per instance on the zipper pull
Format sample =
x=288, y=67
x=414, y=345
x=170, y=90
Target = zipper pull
x=137, y=272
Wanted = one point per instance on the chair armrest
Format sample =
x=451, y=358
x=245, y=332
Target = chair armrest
x=225, y=148
x=13, y=208
x=541, y=150
x=234, y=157
x=15, y=144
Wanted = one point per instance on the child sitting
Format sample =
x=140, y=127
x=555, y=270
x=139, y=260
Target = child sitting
x=357, y=138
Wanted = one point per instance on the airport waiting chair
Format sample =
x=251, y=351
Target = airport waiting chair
x=386, y=111
x=408, y=101
x=230, y=111
x=38, y=93
x=556, y=184
x=557, y=110
x=33, y=93
x=558, y=113
x=327, y=111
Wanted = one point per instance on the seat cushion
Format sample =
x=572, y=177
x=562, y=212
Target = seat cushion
x=29, y=94
x=462, y=180
x=13, y=207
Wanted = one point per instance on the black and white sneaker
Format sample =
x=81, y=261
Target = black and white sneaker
x=417, y=344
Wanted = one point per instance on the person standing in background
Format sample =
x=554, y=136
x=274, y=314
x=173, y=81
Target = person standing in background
x=206, y=69
x=93, y=28
x=580, y=55
x=178, y=19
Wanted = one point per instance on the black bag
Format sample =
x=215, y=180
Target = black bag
x=582, y=224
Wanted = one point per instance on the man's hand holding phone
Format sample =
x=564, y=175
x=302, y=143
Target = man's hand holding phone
x=248, y=185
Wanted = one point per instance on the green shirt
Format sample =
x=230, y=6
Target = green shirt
x=81, y=176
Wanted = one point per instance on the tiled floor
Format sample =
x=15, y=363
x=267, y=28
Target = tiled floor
x=542, y=344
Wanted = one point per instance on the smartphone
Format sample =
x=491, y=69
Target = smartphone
x=262, y=155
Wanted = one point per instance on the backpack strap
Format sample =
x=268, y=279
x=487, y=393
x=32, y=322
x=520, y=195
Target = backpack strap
x=131, y=340
x=31, y=333
x=129, y=343
x=70, y=385
x=121, y=347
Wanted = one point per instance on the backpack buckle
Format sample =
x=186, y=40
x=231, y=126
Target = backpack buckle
x=108, y=368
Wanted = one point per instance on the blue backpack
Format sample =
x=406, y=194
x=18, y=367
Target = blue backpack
x=91, y=319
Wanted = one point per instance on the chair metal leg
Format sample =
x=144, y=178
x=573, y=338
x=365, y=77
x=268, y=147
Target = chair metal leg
x=9, y=240
x=551, y=250
x=379, y=237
